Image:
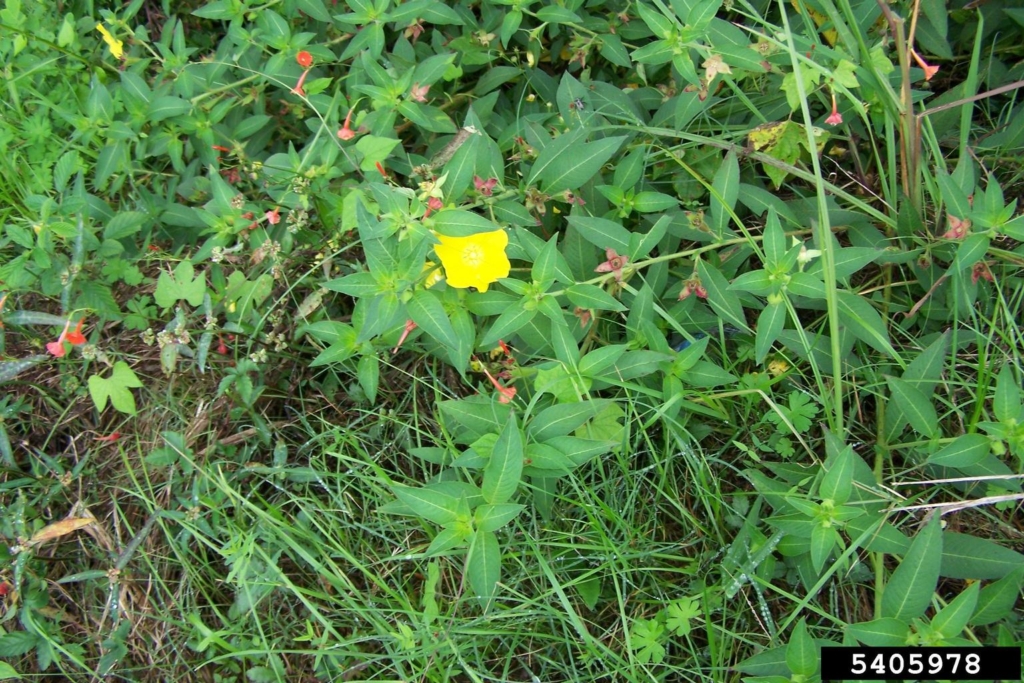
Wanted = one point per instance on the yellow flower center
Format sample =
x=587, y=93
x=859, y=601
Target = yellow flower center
x=473, y=255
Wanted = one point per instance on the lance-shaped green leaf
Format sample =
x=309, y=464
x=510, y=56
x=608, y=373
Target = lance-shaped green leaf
x=483, y=565
x=563, y=418
x=602, y=232
x=917, y=407
x=568, y=165
x=864, y=323
x=592, y=297
x=428, y=313
x=507, y=324
x=909, y=591
x=885, y=632
x=461, y=223
x=725, y=190
x=493, y=517
x=966, y=450
x=505, y=467
x=970, y=557
x=802, y=652
x=922, y=372
x=769, y=325
x=723, y=301
x=837, y=484
x=952, y=618
x=997, y=599
x=1006, y=404
x=774, y=241
x=432, y=505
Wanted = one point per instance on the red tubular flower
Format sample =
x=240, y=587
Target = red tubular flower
x=304, y=59
x=929, y=70
x=75, y=336
x=56, y=348
x=433, y=204
x=505, y=394
x=297, y=90
x=409, y=327
x=273, y=217
x=835, y=118
x=347, y=133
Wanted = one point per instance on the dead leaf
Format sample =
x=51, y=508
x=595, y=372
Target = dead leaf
x=61, y=528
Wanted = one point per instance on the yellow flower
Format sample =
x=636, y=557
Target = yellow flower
x=116, y=46
x=778, y=367
x=474, y=261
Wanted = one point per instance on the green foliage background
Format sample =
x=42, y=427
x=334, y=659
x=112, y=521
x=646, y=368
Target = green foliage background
x=792, y=417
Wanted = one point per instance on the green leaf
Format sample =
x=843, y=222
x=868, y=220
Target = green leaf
x=1006, y=404
x=705, y=374
x=507, y=324
x=544, y=266
x=769, y=324
x=970, y=557
x=599, y=360
x=602, y=232
x=725, y=191
x=165, y=107
x=505, y=467
x=802, y=653
x=679, y=613
x=124, y=224
x=567, y=351
x=483, y=565
x=971, y=250
x=917, y=407
x=653, y=202
x=374, y=149
x=883, y=539
x=885, y=632
x=355, y=285
x=170, y=290
x=910, y=588
x=432, y=505
x=592, y=297
x=837, y=484
x=723, y=301
x=428, y=313
x=567, y=166
x=864, y=323
x=461, y=223
x=557, y=15
x=952, y=618
x=18, y=643
x=966, y=450
x=368, y=373
x=957, y=202
x=477, y=415
x=996, y=600
x=116, y=388
x=563, y=418
x=314, y=8
x=922, y=372
x=642, y=244
x=493, y=517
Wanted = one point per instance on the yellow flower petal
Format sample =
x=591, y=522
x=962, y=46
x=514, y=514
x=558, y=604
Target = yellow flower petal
x=474, y=261
x=116, y=46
